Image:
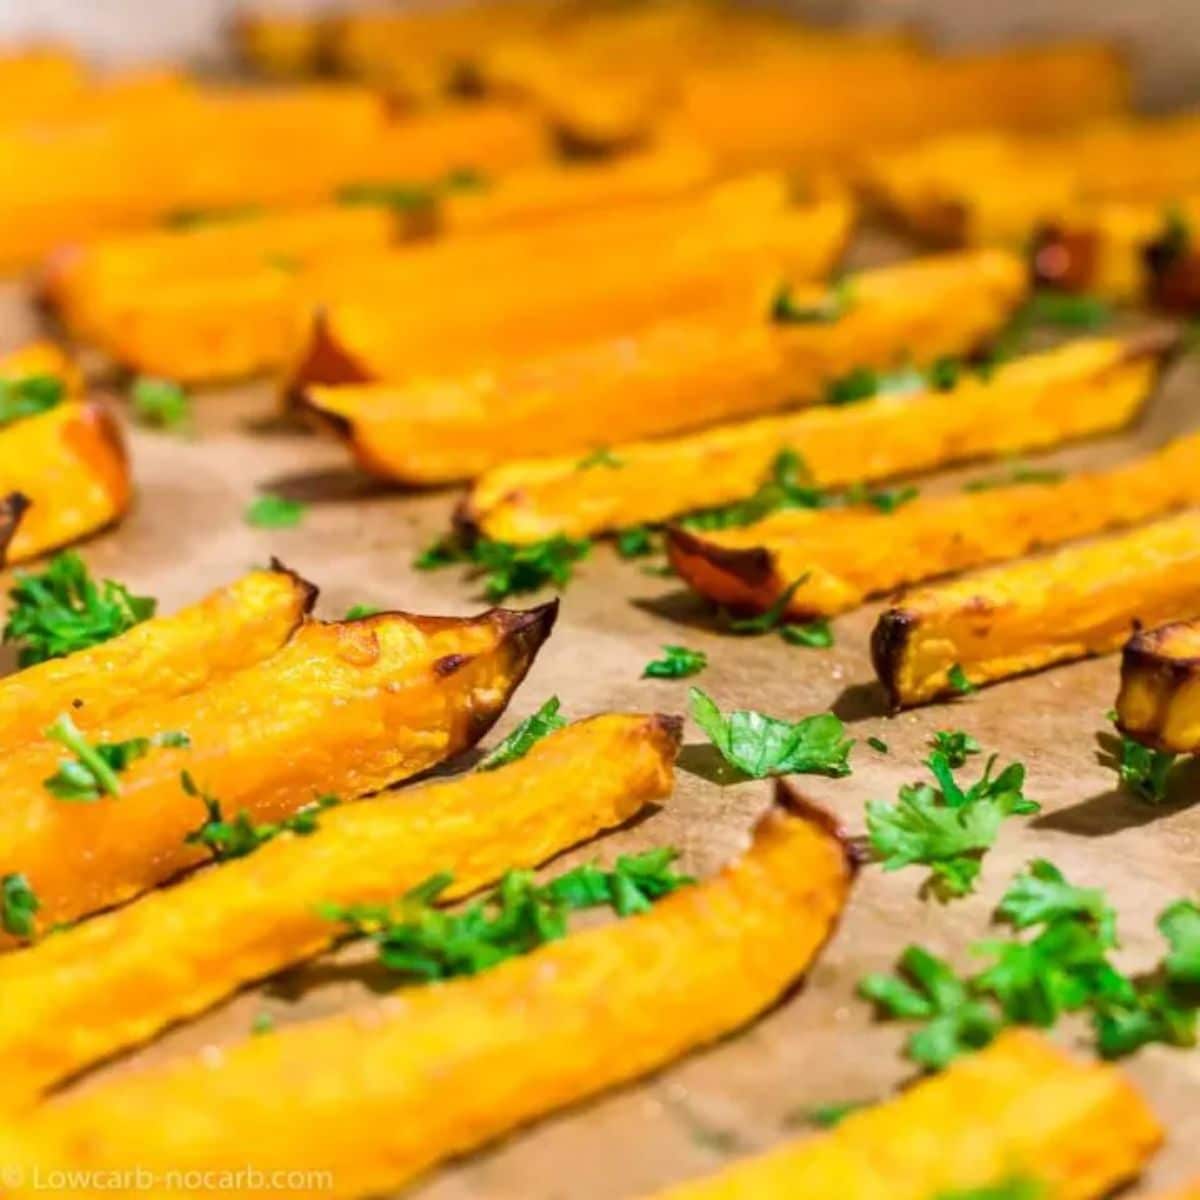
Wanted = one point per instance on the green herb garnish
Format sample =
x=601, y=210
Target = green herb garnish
x=945, y=827
x=508, y=569
x=94, y=770
x=830, y=1116
x=1144, y=770
x=956, y=677
x=522, y=739
x=834, y=305
x=1070, y=311
x=263, y=1023
x=814, y=634
x=28, y=396
x=677, y=662
x=62, y=609
x=356, y=612
x=759, y=745
x=956, y=745
x=1017, y=475
x=160, y=404
x=422, y=942
x=228, y=839
x=19, y=906
x=269, y=511
x=878, y=745
x=600, y=457
x=637, y=541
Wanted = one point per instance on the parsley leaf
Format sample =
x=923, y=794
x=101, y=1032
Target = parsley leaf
x=1017, y=475
x=160, y=404
x=946, y=828
x=957, y=678
x=237, y=838
x=1068, y=310
x=263, y=1022
x=834, y=305
x=1180, y=925
x=878, y=744
x=522, y=739
x=637, y=542
x=28, y=396
x=356, y=612
x=18, y=906
x=63, y=609
x=764, y=622
x=418, y=940
x=93, y=771
x=830, y=1116
x=269, y=511
x=927, y=989
x=760, y=745
x=600, y=457
x=887, y=500
x=815, y=634
x=506, y=568
x=677, y=662
x=956, y=745
x=788, y=485
x=1144, y=770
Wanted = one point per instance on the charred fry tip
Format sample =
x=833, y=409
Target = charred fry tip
x=888, y=639
x=789, y=799
x=308, y=590
x=324, y=361
x=98, y=414
x=669, y=727
x=464, y=521
x=12, y=508
x=749, y=564
x=530, y=627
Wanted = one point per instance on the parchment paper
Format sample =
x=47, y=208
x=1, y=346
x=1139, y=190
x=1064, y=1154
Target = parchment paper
x=187, y=535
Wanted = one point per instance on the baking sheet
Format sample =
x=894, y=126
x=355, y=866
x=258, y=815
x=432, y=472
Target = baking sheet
x=187, y=535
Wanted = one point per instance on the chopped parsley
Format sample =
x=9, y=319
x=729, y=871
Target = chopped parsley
x=956, y=745
x=677, y=662
x=411, y=197
x=945, y=827
x=422, y=942
x=887, y=500
x=1069, y=311
x=269, y=511
x=833, y=306
x=601, y=457
x=814, y=634
x=1017, y=475
x=1062, y=965
x=62, y=609
x=508, y=569
x=356, y=612
x=19, y=906
x=830, y=1116
x=94, y=770
x=638, y=541
x=29, y=395
x=770, y=618
x=759, y=745
x=956, y=677
x=1144, y=771
x=228, y=839
x=878, y=745
x=160, y=404
x=529, y=732
x=263, y=1022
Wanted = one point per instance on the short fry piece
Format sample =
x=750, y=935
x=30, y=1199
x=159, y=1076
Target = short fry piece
x=1087, y=387
x=845, y=555
x=1020, y=1108
x=121, y=977
x=162, y=658
x=345, y=707
x=66, y=475
x=1008, y=620
x=1159, y=700
x=438, y=1070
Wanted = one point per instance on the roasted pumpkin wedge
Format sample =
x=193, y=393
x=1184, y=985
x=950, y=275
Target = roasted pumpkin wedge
x=438, y=1070
x=750, y=114
x=65, y=475
x=121, y=977
x=842, y=556
x=234, y=627
x=346, y=707
x=1020, y=1108
x=1087, y=387
x=423, y=312
x=89, y=287
x=1159, y=700
x=1008, y=620
x=670, y=378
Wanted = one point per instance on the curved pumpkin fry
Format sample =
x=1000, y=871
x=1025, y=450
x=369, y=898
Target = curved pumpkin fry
x=1159, y=700
x=423, y=310
x=845, y=555
x=116, y=980
x=438, y=1070
x=1037, y=402
x=346, y=707
x=1020, y=617
x=234, y=627
x=68, y=465
x=1020, y=1108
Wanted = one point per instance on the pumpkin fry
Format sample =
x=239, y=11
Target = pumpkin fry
x=1008, y=620
x=599, y=275
x=345, y=707
x=1159, y=700
x=845, y=555
x=1036, y=402
x=121, y=977
x=1020, y=1108
x=438, y=1070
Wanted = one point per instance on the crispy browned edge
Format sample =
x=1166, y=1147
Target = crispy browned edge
x=788, y=797
x=324, y=361
x=750, y=564
x=888, y=640
x=308, y=590
x=1141, y=655
x=1173, y=275
x=1062, y=258
x=12, y=508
